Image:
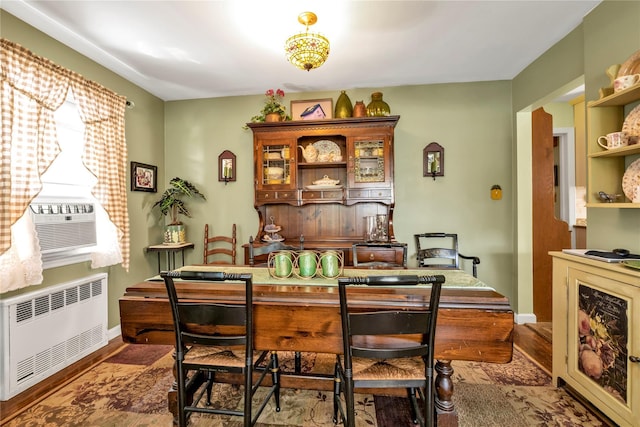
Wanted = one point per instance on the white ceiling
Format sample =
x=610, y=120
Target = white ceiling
x=202, y=49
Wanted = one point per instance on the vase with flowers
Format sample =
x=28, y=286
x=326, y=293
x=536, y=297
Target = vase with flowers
x=273, y=110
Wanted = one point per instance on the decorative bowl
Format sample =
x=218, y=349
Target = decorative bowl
x=326, y=181
x=273, y=172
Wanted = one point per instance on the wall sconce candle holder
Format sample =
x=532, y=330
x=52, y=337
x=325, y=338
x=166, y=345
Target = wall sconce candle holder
x=226, y=167
x=433, y=160
x=496, y=192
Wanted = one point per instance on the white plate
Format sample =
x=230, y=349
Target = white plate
x=328, y=148
x=323, y=187
x=326, y=181
x=631, y=179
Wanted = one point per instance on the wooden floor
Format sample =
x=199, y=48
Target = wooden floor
x=524, y=337
x=536, y=345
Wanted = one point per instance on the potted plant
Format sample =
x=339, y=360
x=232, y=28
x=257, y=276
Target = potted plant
x=171, y=203
x=273, y=110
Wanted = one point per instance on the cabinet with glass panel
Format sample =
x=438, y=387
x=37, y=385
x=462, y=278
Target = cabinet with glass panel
x=370, y=169
x=319, y=178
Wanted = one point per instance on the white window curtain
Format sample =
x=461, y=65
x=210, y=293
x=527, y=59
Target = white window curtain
x=32, y=88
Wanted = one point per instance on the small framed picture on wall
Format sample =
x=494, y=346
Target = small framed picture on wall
x=144, y=177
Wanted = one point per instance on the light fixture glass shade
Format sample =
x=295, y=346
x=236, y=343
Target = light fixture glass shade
x=307, y=50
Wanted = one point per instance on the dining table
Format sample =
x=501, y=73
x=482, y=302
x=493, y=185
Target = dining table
x=295, y=314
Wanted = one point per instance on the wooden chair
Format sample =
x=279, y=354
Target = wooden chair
x=379, y=255
x=223, y=349
x=386, y=348
x=219, y=245
x=266, y=249
x=438, y=257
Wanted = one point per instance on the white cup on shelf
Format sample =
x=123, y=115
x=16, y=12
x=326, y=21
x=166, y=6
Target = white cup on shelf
x=612, y=140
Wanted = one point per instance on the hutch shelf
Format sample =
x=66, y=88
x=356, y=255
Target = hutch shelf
x=606, y=167
x=290, y=158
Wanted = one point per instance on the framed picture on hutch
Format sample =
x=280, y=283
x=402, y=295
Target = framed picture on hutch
x=312, y=109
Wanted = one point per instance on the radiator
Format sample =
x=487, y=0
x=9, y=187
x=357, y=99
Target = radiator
x=47, y=330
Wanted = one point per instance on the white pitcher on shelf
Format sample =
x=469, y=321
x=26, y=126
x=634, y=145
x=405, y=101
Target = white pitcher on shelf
x=310, y=153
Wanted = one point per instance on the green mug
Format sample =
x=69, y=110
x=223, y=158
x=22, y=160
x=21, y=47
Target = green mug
x=307, y=263
x=282, y=264
x=330, y=264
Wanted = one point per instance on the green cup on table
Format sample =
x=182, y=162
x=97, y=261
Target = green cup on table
x=330, y=264
x=282, y=264
x=307, y=263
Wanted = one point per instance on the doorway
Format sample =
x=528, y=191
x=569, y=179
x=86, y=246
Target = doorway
x=550, y=233
x=564, y=177
x=526, y=171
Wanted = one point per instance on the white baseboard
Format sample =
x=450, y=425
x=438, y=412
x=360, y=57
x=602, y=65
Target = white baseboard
x=525, y=318
x=114, y=332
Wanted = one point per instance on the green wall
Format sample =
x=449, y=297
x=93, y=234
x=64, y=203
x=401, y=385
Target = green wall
x=145, y=141
x=470, y=120
x=583, y=54
x=482, y=126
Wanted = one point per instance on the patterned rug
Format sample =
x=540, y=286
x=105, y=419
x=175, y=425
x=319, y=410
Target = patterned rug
x=130, y=389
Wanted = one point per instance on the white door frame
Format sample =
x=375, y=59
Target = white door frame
x=567, y=177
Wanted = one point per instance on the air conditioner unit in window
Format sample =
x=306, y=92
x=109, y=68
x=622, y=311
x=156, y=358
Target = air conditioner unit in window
x=64, y=225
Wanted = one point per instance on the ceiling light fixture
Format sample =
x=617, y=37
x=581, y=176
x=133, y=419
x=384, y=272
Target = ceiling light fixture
x=307, y=50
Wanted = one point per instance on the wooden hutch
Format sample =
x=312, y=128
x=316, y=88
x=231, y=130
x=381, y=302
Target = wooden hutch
x=356, y=151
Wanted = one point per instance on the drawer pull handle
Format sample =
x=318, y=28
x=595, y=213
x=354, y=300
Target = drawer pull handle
x=634, y=359
x=371, y=257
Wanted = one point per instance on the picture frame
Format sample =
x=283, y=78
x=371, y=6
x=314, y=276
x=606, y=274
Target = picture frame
x=316, y=109
x=227, y=166
x=144, y=177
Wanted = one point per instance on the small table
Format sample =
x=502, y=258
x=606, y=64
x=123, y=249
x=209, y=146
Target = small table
x=170, y=250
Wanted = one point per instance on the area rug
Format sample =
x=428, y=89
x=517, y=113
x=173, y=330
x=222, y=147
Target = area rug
x=130, y=389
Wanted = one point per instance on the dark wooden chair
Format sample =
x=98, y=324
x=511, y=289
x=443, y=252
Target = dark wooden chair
x=440, y=257
x=214, y=246
x=403, y=360
x=225, y=349
x=379, y=255
x=265, y=249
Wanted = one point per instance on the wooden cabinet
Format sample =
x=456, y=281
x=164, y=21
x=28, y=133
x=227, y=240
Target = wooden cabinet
x=356, y=151
x=380, y=255
x=596, y=334
x=606, y=167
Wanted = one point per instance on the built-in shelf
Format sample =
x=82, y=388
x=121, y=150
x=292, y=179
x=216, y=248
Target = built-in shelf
x=606, y=168
x=618, y=152
x=614, y=205
x=623, y=97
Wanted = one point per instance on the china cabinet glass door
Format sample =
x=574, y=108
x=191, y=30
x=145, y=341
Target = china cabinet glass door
x=276, y=164
x=369, y=161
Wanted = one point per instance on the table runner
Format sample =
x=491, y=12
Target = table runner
x=261, y=276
